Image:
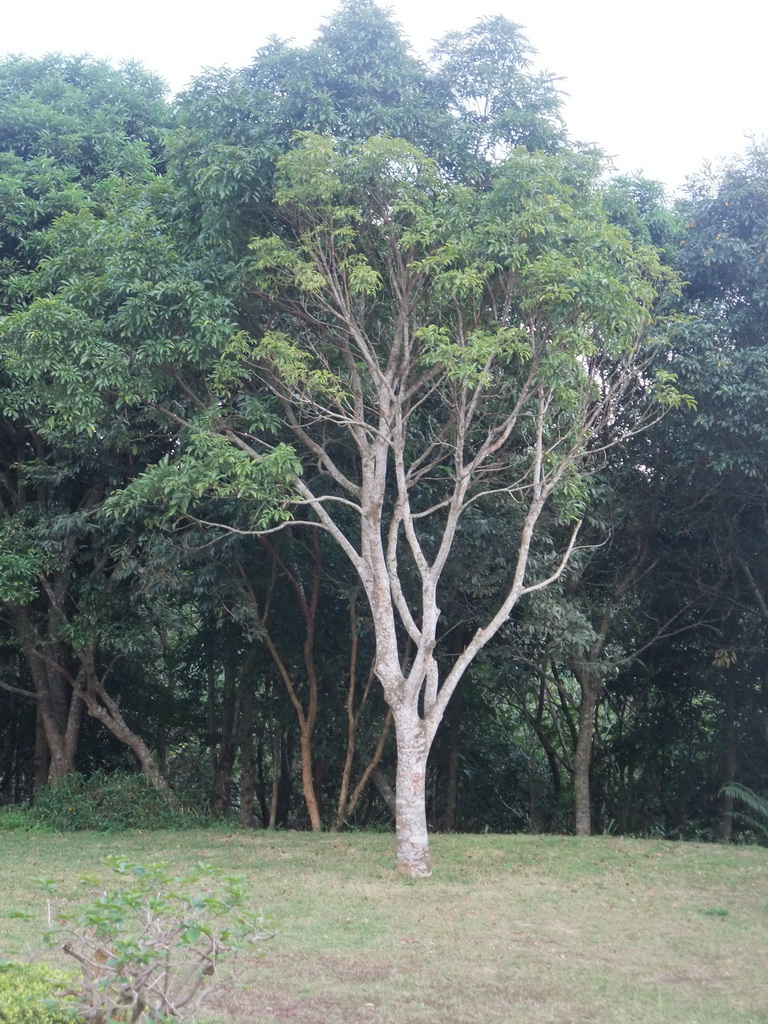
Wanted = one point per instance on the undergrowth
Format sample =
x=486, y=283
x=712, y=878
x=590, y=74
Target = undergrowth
x=109, y=803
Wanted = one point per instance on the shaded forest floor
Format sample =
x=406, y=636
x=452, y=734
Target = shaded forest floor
x=523, y=929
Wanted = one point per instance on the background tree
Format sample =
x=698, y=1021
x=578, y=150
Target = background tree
x=69, y=129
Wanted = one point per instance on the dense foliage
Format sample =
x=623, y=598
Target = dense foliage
x=33, y=994
x=347, y=369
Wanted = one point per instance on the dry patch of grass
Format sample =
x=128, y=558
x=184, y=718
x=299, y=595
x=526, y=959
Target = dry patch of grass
x=550, y=930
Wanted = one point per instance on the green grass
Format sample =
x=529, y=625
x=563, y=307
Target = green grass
x=522, y=929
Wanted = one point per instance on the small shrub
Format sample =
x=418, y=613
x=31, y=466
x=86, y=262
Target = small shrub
x=32, y=994
x=14, y=819
x=108, y=803
x=152, y=948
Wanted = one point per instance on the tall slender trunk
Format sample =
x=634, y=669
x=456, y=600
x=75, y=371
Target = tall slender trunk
x=385, y=791
x=308, y=603
x=226, y=748
x=247, y=764
x=353, y=717
x=582, y=758
x=276, y=769
x=371, y=774
x=551, y=754
x=537, y=724
x=282, y=757
x=308, y=778
x=627, y=796
x=452, y=782
x=42, y=753
x=346, y=803
x=285, y=786
x=725, y=830
x=262, y=780
x=8, y=747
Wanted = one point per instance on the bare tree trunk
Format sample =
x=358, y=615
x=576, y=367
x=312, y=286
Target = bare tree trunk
x=551, y=755
x=308, y=779
x=372, y=774
x=8, y=748
x=353, y=717
x=61, y=746
x=385, y=791
x=61, y=728
x=62, y=694
x=412, y=839
x=59, y=709
x=536, y=721
x=107, y=710
x=347, y=804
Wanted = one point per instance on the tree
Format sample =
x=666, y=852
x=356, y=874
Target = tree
x=430, y=349
x=70, y=128
x=437, y=348
x=136, y=266
x=722, y=352
x=415, y=341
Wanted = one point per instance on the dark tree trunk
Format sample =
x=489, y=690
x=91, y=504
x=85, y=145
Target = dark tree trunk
x=582, y=758
x=537, y=724
x=285, y=784
x=453, y=714
x=11, y=737
x=262, y=780
x=729, y=775
x=226, y=748
x=276, y=768
x=627, y=796
x=61, y=736
x=42, y=756
x=387, y=794
x=59, y=709
x=247, y=766
x=106, y=709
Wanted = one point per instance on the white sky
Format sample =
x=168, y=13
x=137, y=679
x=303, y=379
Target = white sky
x=661, y=85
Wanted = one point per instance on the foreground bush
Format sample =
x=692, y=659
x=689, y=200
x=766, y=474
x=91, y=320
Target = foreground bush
x=152, y=948
x=108, y=803
x=32, y=994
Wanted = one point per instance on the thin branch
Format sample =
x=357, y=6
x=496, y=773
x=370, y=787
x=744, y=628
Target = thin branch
x=18, y=689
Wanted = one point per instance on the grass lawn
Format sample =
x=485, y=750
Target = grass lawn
x=510, y=929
